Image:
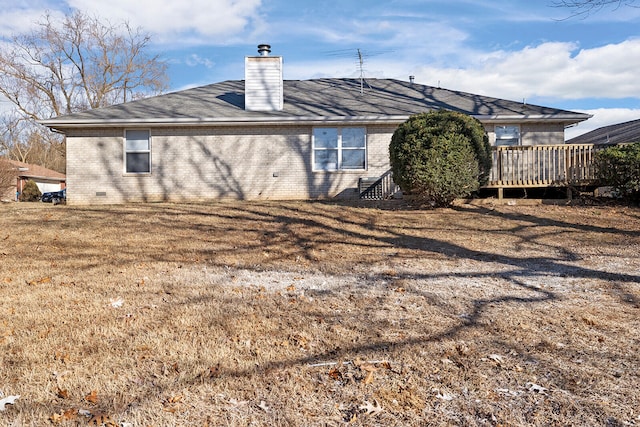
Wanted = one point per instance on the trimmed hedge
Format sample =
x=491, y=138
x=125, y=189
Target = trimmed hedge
x=619, y=167
x=440, y=156
x=30, y=192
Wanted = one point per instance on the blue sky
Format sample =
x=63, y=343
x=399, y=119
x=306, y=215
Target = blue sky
x=513, y=49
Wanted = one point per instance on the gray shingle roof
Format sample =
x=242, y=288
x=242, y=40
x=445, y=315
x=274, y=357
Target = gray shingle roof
x=612, y=134
x=311, y=100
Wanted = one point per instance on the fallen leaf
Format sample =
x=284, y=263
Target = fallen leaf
x=291, y=288
x=535, y=388
x=372, y=408
x=9, y=400
x=40, y=281
x=63, y=394
x=214, y=371
x=445, y=396
x=368, y=379
x=117, y=303
x=102, y=420
x=496, y=358
x=171, y=408
x=62, y=357
x=174, y=399
x=69, y=414
x=56, y=418
x=234, y=404
x=507, y=391
x=369, y=369
x=335, y=374
x=92, y=397
x=172, y=404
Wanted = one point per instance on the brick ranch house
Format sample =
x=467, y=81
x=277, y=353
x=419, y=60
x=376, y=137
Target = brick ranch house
x=268, y=138
x=18, y=173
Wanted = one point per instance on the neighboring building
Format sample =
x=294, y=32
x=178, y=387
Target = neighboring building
x=612, y=134
x=265, y=138
x=20, y=173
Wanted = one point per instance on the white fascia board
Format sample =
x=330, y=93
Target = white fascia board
x=549, y=118
x=258, y=121
x=292, y=120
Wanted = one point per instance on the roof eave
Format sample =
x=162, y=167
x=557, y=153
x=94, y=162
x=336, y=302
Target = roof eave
x=42, y=177
x=223, y=121
x=292, y=120
x=568, y=118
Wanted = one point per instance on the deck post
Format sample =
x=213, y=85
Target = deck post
x=500, y=193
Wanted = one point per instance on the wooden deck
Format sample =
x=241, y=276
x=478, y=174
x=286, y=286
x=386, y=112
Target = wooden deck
x=564, y=165
x=524, y=166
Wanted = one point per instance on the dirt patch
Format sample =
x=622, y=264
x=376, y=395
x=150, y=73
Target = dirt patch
x=319, y=314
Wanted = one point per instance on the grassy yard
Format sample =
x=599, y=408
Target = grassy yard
x=319, y=314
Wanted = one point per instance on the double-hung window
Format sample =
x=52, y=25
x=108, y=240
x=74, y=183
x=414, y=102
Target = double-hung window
x=337, y=149
x=137, y=151
x=507, y=135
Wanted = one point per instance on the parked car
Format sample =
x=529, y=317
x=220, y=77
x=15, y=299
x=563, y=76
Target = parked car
x=54, y=196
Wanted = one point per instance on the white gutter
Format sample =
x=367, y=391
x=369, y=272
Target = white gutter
x=313, y=120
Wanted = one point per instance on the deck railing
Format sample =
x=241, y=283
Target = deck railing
x=378, y=188
x=543, y=165
x=523, y=166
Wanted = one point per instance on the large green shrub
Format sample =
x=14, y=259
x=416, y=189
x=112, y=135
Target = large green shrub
x=619, y=167
x=30, y=192
x=440, y=156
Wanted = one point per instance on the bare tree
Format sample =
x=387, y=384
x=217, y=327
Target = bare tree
x=584, y=8
x=8, y=180
x=77, y=64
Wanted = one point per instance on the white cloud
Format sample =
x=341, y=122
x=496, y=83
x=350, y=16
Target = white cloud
x=18, y=21
x=195, y=60
x=549, y=70
x=555, y=71
x=188, y=21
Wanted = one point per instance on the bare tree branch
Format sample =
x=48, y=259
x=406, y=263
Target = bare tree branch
x=78, y=64
x=584, y=8
x=8, y=180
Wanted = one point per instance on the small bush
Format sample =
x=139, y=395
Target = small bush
x=619, y=167
x=440, y=156
x=30, y=192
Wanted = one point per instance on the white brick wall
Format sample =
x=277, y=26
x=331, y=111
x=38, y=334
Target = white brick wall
x=212, y=163
x=263, y=162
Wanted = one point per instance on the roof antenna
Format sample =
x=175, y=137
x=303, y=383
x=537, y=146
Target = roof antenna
x=361, y=61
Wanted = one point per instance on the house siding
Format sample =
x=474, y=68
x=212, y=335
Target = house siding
x=206, y=163
x=263, y=83
x=532, y=133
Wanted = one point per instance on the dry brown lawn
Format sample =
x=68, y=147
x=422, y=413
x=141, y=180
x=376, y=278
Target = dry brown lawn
x=319, y=314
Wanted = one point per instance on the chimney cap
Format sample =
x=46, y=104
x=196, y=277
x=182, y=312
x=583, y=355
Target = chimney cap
x=264, y=49
x=412, y=78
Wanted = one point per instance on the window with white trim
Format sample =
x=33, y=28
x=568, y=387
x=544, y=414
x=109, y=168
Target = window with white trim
x=507, y=135
x=337, y=149
x=137, y=151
